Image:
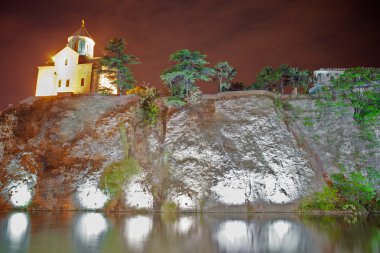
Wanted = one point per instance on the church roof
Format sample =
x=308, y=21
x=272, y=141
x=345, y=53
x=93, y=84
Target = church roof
x=82, y=32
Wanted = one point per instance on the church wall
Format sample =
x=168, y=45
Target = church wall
x=67, y=76
x=82, y=71
x=68, y=69
x=46, y=80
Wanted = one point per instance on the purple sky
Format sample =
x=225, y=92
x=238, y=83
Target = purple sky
x=249, y=34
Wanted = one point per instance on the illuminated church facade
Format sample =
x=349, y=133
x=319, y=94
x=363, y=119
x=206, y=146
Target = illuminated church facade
x=73, y=70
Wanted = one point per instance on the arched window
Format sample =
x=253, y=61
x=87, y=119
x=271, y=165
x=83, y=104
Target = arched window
x=59, y=83
x=82, y=82
x=67, y=82
x=81, y=46
x=66, y=61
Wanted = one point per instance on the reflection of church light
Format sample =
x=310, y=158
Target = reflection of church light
x=91, y=226
x=91, y=197
x=234, y=236
x=136, y=230
x=17, y=227
x=20, y=195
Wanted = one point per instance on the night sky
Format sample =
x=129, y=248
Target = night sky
x=249, y=34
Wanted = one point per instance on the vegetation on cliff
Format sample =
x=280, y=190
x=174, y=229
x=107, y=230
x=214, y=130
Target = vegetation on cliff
x=225, y=73
x=351, y=191
x=117, y=173
x=357, y=88
x=182, y=77
x=270, y=78
x=148, y=108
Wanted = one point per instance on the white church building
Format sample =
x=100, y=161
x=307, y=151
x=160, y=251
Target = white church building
x=73, y=70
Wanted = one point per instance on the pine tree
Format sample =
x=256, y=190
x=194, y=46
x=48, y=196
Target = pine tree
x=225, y=73
x=114, y=65
x=190, y=68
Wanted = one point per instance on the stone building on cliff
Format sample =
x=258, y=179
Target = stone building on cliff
x=72, y=70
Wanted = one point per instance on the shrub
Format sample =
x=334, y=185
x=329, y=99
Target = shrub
x=326, y=200
x=357, y=188
x=258, y=86
x=114, y=176
x=194, y=97
x=135, y=90
x=169, y=207
x=149, y=110
x=174, y=102
x=236, y=86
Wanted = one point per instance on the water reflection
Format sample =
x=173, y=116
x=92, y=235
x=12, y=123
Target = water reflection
x=70, y=232
x=137, y=230
x=89, y=231
x=184, y=224
x=234, y=236
x=251, y=236
x=282, y=236
x=15, y=235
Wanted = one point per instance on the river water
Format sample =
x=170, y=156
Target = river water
x=49, y=232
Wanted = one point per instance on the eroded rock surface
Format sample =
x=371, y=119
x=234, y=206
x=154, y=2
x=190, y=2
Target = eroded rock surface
x=234, y=152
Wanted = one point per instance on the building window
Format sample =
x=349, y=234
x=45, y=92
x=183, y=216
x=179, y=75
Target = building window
x=67, y=82
x=81, y=46
x=66, y=61
x=82, y=82
x=59, y=83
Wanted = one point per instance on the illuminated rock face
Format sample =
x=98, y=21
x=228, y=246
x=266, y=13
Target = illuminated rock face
x=228, y=153
x=23, y=173
x=239, y=153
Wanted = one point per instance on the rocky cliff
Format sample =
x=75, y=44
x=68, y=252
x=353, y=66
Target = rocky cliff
x=236, y=151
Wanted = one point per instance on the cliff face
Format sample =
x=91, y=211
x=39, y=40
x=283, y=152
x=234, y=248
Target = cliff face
x=231, y=152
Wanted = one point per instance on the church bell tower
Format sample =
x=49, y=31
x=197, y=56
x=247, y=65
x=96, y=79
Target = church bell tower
x=82, y=42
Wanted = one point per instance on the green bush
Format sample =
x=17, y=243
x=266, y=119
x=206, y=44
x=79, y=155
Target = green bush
x=357, y=188
x=114, y=176
x=175, y=102
x=149, y=110
x=258, y=86
x=327, y=200
x=169, y=207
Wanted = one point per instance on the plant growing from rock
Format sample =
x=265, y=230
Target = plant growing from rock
x=326, y=200
x=358, y=188
x=149, y=110
x=116, y=174
x=357, y=88
x=169, y=207
x=352, y=191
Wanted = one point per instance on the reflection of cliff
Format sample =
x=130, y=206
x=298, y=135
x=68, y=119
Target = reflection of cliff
x=89, y=230
x=271, y=236
x=231, y=151
x=14, y=233
x=233, y=233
